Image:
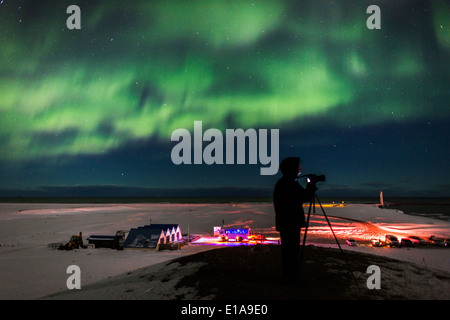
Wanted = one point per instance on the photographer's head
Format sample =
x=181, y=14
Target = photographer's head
x=290, y=167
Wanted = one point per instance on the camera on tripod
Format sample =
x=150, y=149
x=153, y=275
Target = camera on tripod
x=313, y=178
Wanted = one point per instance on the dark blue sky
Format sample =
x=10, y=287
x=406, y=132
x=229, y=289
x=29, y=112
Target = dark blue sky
x=90, y=112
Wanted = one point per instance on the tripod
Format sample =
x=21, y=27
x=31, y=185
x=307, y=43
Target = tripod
x=312, y=204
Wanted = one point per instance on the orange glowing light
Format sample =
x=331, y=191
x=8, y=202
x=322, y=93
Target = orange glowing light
x=326, y=205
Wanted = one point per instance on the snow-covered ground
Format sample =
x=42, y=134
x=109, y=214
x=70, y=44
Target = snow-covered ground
x=29, y=269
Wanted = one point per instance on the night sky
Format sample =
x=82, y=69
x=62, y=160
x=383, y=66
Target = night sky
x=91, y=111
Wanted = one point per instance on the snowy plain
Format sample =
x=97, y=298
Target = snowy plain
x=32, y=270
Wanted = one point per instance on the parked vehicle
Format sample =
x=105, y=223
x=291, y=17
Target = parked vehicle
x=237, y=234
x=417, y=240
x=392, y=241
x=405, y=242
x=376, y=242
x=75, y=242
x=256, y=236
x=351, y=242
x=437, y=241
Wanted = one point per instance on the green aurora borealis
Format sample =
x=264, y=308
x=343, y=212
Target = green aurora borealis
x=137, y=70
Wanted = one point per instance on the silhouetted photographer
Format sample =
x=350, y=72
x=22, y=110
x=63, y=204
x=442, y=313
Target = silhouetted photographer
x=288, y=197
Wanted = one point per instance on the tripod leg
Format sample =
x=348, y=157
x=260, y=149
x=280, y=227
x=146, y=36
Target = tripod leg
x=335, y=238
x=302, y=249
